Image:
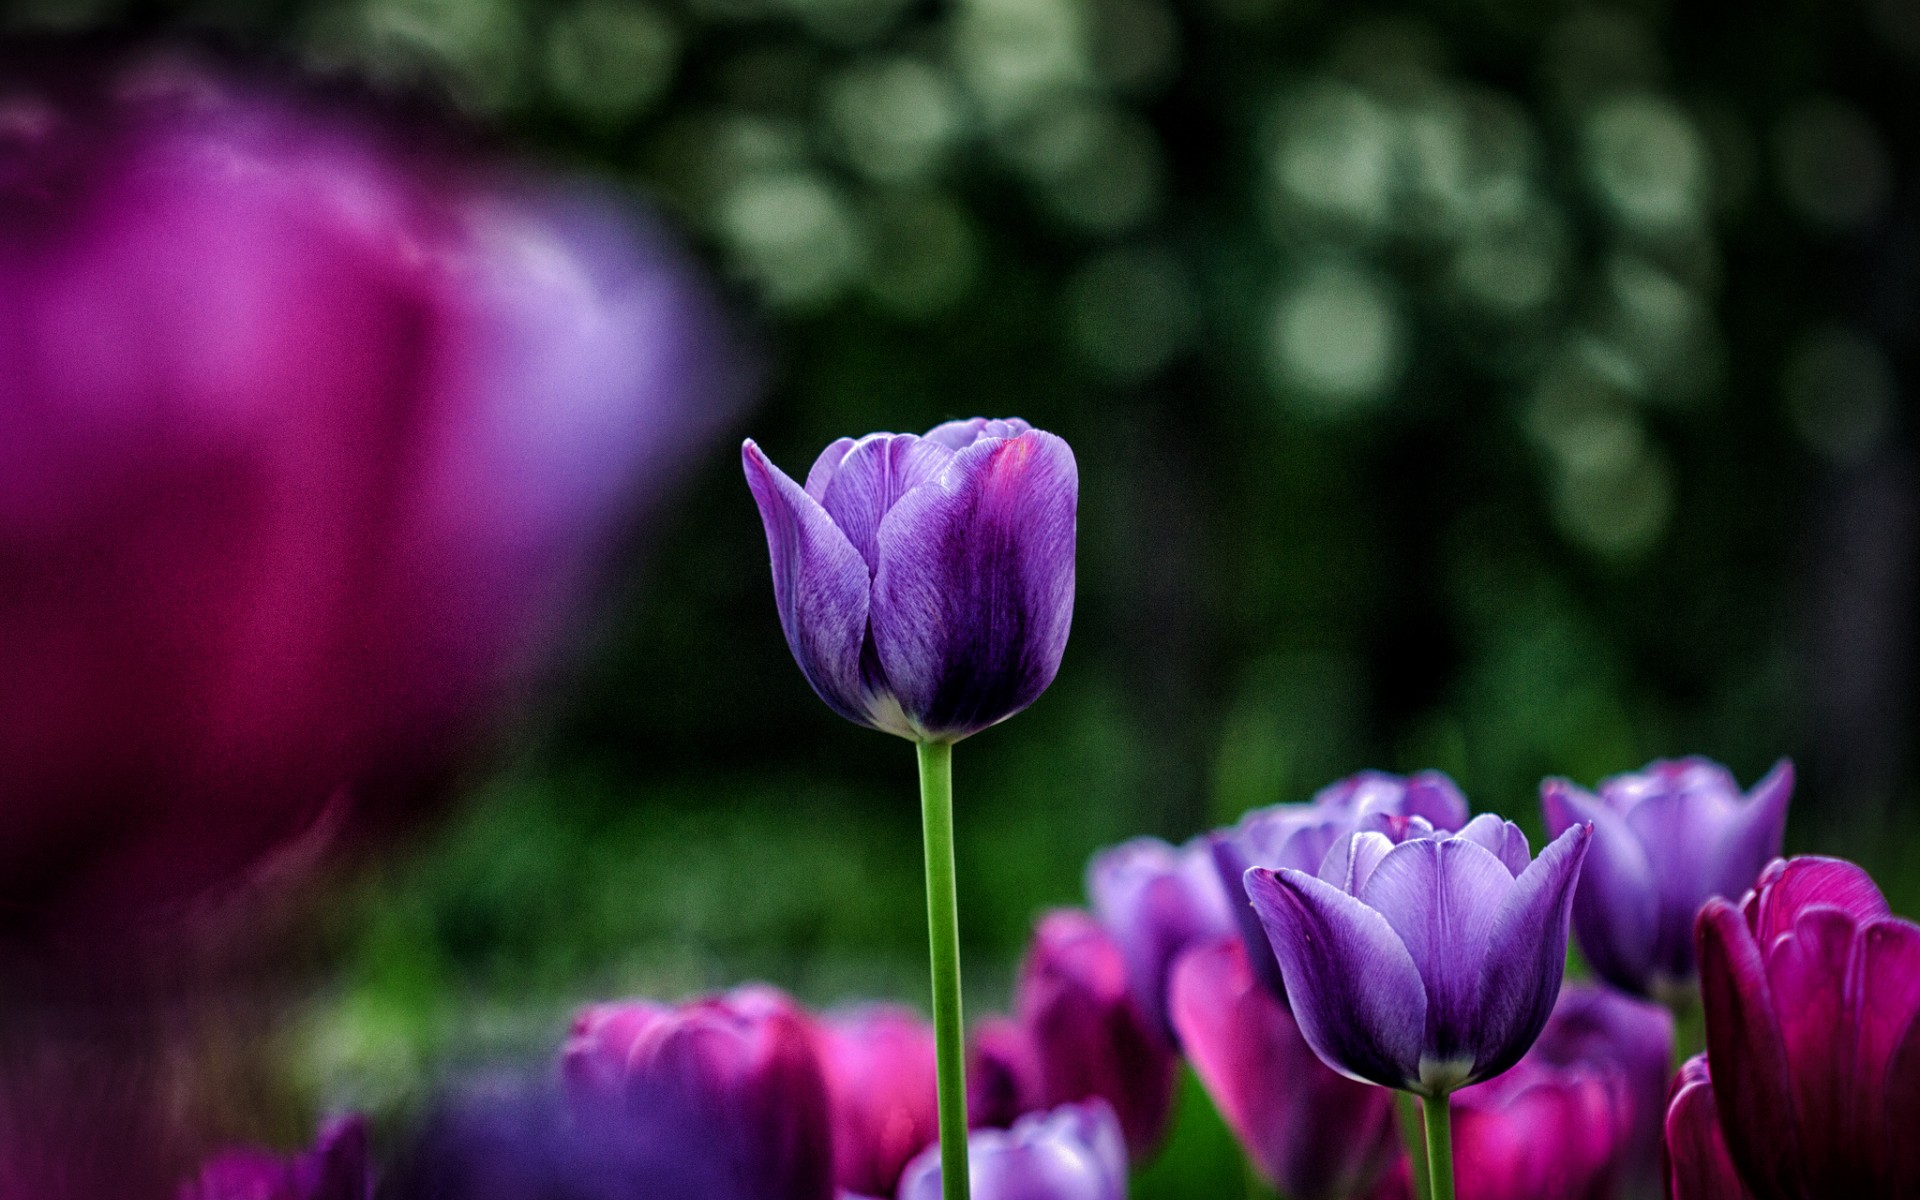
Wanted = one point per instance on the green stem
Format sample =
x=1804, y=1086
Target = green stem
x=1439, y=1114
x=1408, y=1108
x=943, y=938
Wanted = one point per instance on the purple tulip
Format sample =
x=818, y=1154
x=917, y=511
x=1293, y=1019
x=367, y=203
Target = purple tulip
x=1597, y=1027
x=734, y=1080
x=1811, y=990
x=1698, y=1166
x=310, y=434
x=1003, y=1074
x=1157, y=901
x=1299, y=836
x=1075, y=1152
x=1541, y=1132
x=1089, y=1037
x=925, y=584
x=879, y=1064
x=1426, y=965
x=337, y=1168
x=1314, y=1134
x=1664, y=840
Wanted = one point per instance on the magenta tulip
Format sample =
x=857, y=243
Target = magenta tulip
x=311, y=432
x=1812, y=997
x=879, y=1064
x=1313, y=1133
x=1598, y=1028
x=338, y=1167
x=1541, y=1132
x=1003, y=1074
x=1089, y=1037
x=1698, y=1166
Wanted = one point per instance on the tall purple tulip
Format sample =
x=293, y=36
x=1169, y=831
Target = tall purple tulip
x=1089, y=1037
x=338, y=1167
x=925, y=584
x=1074, y=1152
x=1157, y=900
x=1812, y=996
x=1298, y=836
x=1314, y=1134
x=879, y=1064
x=1427, y=965
x=1664, y=839
x=309, y=433
x=735, y=1080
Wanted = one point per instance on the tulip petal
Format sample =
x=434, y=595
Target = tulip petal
x=1754, y=836
x=1526, y=952
x=1616, y=908
x=820, y=586
x=1698, y=1166
x=1352, y=860
x=1808, y=969
x=1354, y=988
x=974, y=591
x=1754, y=1091
x=826, y=466
x=1888, y=1005
x=880, y=469
x=1441, y=898
x=1902, y=1115
x=1785, y=888
x=1502, y=838
x=958, y=435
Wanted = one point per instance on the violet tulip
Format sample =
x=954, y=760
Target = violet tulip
x=1074, y=1152
x=1003, y=1074
x=925, y=584
x=1314, y=1134
x=1157, y=900
x=1698, y=1166
x=311, y=430
x=1090, y=1039
x=1664, y=839
x=338, y=1167
x=735, y=1079
x=1811, y=989
x=1300, y=835
x=879, y=1064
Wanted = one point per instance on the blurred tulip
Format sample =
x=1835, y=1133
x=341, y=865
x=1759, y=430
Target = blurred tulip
x=310, y=435
x=733, y=1080
x=1090, y=1040
x=1664, y=839
x=1426, y=965
x=925, y=584
x=1298, y=836
x=1075, y=1152
x=1156, y=901
x=1541, y=1132
x=337, y=1168
x=1313, y=1133
x=879, y=1064
x=1003, y=1074
x=1812, y=997
x=1598, y=1027
x=1697, y=1164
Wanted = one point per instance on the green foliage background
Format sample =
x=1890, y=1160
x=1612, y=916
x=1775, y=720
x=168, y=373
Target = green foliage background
x=1514, y=388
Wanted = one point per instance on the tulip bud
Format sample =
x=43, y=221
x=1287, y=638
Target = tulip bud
x=1664, y=840
x=1089, y=1037
x=734, y=1079
x=879, y=1064
x=1386, y=992
x=337, y=1168
x=925, y=584
x=1157, y=901
x=1313, y=1133
x=1075, y=1152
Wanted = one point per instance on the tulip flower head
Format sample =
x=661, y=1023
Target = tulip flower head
x=735, y=1079
x=1664, y=840
x=1541, y=1132
x=1089, y=1037
x=1299, y=836
x=338, y=1167
x=1074, y=1152
x=1598, y=1028
x=879, y=1064
x=1157, y=901
x=1003, y=1074
x=1313, y=1133
x=925, y=584
x=1811, y=990
x=1426, y=965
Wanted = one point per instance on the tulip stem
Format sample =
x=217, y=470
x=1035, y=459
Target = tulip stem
x=1408, y=1107
x=943, y=937
x=1439, y=1114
